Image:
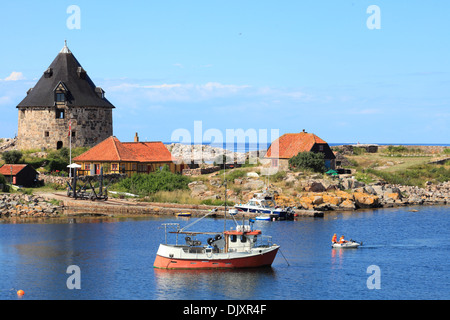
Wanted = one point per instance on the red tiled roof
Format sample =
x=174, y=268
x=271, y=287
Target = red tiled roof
x=149, y=151
x=16, y=168
x=290, y=144
x=111, y=149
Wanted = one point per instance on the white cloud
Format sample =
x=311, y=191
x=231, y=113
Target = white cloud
x=14, y=76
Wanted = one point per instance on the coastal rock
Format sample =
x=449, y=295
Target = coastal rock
x=347, y=205
x=252, y=174
x=333, y=200
x=253, y=184
x=197, y=188
x=350, y=183
x=365, y=200
x=317, y=200
x=314, y=186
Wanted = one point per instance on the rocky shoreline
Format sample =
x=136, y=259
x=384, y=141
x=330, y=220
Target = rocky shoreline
x=375, y=196
x=312, y=195
x=320, y=198
x=27, y=206
x=325, y=194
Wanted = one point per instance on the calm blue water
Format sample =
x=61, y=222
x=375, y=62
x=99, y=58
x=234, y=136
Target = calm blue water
x=115, y=257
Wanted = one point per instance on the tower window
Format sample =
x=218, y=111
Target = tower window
x=46, y=134
x=59, y=113
x=60, y=97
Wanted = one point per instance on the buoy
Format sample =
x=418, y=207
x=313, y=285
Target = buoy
x=20, y=293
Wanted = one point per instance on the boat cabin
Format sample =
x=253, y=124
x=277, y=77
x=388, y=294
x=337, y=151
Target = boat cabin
x=265, y=204
x=236, y=240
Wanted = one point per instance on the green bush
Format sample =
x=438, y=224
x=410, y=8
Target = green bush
x=278, y=176
x=57, y=165
x=235, y=174
x=358, y=151
x=12, y=157
x=3, y=183
x=145, y=184
x=309, y=161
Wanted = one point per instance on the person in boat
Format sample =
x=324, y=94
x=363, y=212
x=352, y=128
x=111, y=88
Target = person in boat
x=342, y=240
x=334, y=239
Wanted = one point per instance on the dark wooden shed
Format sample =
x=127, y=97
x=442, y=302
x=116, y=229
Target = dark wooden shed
x=19, y=174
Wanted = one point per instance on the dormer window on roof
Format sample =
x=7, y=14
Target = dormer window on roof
x=48, y=73
x=81, y=73
x=61, y=93
x=100, y=92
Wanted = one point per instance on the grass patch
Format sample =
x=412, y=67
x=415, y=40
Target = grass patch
x=176, y=196
x=148, y=184
x=415, y=175
x=217, y=202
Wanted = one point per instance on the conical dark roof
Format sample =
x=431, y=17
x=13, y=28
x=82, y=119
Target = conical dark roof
x=82, y=92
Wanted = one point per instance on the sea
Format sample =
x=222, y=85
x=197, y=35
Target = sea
x=404, y=256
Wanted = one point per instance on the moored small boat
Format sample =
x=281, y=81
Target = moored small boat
x=241, y=247
x=184, y=214
x=264, y=204
x=264, y=217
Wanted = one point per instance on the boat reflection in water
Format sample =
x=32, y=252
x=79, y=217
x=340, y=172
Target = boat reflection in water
x=212, y=284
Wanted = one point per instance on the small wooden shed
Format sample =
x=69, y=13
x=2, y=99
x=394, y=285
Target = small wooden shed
x=19, y=174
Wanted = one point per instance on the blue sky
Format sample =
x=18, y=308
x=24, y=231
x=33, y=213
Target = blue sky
x=287, y=65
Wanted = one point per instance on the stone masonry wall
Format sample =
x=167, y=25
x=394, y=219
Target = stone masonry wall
x=39, y=127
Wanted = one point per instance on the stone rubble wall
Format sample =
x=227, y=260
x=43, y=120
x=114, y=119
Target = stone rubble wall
x=200, y=171
x=107, y=178
x=26, y=206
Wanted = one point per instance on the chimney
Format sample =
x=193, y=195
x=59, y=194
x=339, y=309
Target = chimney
x=136, y=137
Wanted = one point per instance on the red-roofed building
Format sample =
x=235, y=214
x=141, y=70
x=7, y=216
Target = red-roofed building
x=290, y=144
x=126, y=157
x=19, y=174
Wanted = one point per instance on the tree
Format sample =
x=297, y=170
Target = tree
x=308, y=160
x=12, y=157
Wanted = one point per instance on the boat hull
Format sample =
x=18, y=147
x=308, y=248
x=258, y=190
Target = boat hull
x=346, y=245
x=277, y=214
x=219, y=261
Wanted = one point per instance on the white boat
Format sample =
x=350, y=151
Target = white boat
x=266, y=205
x=346, y=245
x=264, y=217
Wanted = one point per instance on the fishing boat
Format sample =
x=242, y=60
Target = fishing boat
x=347, y=244
x=265, y=204
x=239, y=247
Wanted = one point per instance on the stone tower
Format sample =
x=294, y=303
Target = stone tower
x=63, y=103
